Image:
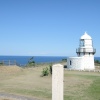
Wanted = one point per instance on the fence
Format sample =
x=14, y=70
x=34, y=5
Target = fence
x=8, y=62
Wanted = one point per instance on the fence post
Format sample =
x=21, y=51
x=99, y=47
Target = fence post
x=15, y=62
x=57, y=82
x=3, y=62
x=9, y=62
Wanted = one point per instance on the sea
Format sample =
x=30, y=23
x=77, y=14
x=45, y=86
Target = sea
x=23, y=60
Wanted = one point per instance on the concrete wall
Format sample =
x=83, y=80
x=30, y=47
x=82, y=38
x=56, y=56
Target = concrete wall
x=81, y=63
x=75, y=63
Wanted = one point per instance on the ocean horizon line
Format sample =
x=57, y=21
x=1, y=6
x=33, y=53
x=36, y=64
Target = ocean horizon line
x=38, y=59
x=37, y=55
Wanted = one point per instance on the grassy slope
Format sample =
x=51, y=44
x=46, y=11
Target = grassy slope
x=28, y=82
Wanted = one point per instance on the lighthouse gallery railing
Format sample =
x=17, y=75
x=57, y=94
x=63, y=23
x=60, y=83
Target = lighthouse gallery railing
x=88, y=50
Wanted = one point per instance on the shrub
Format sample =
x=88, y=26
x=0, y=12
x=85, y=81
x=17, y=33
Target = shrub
x=65, y=60
x=45, y=71
x=1, y=63
x=97, y=61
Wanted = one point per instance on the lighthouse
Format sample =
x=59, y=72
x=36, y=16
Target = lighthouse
x=85, y=55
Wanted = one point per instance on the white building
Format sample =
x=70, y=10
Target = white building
x=85, y=53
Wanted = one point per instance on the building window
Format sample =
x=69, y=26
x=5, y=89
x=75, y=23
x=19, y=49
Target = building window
x=70, y=62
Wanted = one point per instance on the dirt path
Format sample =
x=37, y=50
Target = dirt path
x=16, y=97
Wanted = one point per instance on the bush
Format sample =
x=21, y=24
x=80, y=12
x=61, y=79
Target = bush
x=65, y=60
x=31, y=63
x=97, y=61
x=1, y=63
x=45, y=71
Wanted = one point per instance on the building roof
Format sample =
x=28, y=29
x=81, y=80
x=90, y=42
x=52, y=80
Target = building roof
x=85, y=36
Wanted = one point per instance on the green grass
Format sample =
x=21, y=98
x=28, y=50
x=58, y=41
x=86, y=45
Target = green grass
x=82, y=85
x=28, y=82
x=94, y=90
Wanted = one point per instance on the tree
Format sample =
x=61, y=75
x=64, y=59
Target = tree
x=97, y=61
x=31, y=62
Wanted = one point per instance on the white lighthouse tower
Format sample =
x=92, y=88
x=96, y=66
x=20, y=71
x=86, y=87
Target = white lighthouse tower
x=85, y=53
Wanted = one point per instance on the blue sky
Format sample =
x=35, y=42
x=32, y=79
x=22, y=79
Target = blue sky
x=47, y=27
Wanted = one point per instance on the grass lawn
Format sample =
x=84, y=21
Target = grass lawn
x=28, y=82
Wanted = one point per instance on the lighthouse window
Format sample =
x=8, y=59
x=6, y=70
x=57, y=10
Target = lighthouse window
x=70, y=62
x=82, y=43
